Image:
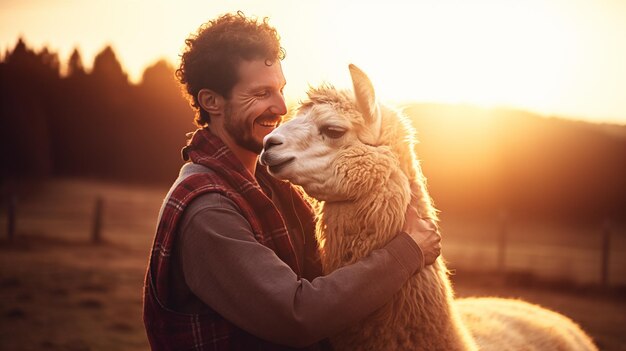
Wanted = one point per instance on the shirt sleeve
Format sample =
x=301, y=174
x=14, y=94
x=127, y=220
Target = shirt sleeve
x=246, y=282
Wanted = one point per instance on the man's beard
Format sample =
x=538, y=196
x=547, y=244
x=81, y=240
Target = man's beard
x=239, y=132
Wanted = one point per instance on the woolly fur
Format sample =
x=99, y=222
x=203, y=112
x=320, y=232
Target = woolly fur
x=377, y=183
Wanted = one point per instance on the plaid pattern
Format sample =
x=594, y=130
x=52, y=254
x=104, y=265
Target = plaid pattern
x=170, y=330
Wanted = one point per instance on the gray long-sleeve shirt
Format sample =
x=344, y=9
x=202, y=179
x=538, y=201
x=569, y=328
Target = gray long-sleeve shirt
x=218, y=263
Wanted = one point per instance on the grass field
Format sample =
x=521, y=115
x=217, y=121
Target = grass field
x=58, y=291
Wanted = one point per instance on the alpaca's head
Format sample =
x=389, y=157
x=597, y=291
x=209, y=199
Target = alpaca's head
x=341, y=144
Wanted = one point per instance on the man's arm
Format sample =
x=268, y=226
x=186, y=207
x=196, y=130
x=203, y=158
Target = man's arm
x=249, y=285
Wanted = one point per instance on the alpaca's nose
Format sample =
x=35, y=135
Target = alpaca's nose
x=271, y=141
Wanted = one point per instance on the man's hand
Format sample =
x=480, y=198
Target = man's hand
x=424, y=233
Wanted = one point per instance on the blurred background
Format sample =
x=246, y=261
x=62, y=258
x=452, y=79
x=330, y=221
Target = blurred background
x=520, y=109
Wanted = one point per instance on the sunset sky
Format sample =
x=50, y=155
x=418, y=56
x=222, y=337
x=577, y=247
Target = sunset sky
x=563, y=57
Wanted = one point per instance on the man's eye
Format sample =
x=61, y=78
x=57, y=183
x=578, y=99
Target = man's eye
x=263, y=93
x=333, y=132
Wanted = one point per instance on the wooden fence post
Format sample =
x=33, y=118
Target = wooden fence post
x=11, y=216
x=502, y=240
x=606, y=249
x=96, y=233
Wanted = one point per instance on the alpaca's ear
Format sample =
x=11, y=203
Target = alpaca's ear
x=366, y=100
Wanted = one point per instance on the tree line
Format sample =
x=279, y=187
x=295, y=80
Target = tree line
x=93, y=124
x=97, y=124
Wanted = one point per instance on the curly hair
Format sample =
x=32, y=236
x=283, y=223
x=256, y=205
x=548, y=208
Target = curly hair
x=212, y=55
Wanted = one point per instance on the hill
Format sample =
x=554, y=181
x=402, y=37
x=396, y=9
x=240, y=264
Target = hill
x=478, y=161
x=490, y=160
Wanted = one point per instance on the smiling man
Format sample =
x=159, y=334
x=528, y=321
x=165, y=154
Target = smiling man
x=254, y=108
x=235, y=264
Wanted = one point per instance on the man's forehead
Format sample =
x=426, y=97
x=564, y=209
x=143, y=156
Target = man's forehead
x=261, y=72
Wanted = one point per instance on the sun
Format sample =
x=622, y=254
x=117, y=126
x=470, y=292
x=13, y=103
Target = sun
x=552, y=57
x=455, y=52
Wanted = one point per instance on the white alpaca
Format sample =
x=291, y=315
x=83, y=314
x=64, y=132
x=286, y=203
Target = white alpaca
x=357, y=157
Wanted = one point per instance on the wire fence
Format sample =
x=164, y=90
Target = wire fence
x=103, y=213
x=588, y=254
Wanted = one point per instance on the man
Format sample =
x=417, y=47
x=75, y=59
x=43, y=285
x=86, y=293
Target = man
x=235, y=265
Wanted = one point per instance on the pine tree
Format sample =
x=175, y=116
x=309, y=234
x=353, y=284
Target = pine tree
x=75, y=64
x=106, y=67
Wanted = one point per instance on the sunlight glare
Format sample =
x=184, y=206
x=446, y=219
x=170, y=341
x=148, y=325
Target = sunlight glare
x=457, y=52
x=546, y=56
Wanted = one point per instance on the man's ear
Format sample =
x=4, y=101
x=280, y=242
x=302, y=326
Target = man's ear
x=211, y=101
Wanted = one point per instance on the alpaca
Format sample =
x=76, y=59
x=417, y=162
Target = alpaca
x=356, y=157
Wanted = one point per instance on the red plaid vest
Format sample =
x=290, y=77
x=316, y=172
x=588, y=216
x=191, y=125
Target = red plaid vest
x=171, y=330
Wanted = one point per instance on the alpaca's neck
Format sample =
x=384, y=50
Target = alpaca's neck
x=351, y=230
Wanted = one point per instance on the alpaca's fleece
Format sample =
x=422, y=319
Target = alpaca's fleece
x=511, y=325
x=357, y=157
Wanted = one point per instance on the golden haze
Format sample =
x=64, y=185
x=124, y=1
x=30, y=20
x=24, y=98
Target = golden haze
x=558, y=57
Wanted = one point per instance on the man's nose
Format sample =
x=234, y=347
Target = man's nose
x=278, y=105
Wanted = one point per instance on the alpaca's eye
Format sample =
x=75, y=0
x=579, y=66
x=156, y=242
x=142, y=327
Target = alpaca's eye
x=333, y=132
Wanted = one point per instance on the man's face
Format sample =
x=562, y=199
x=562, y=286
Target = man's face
x=256, y=105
